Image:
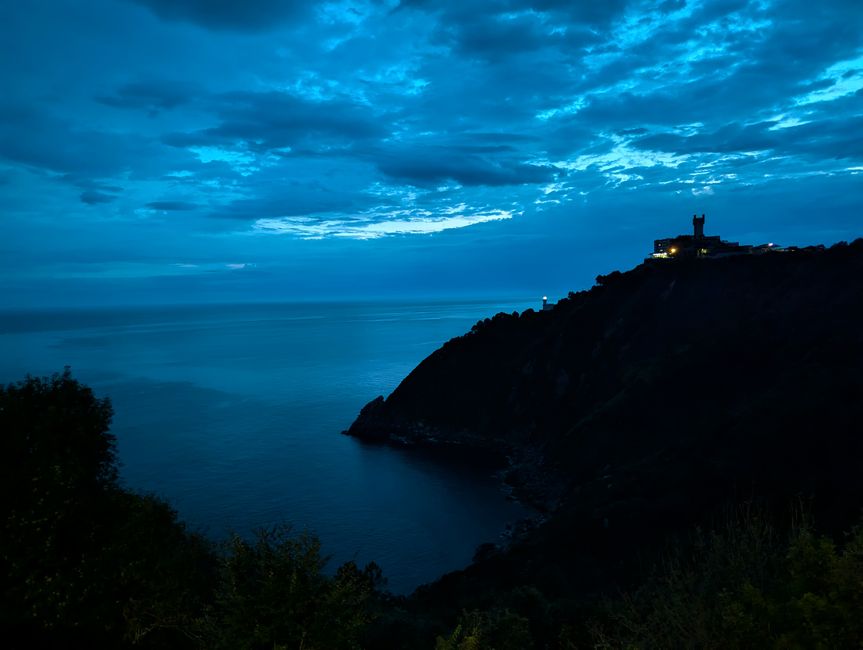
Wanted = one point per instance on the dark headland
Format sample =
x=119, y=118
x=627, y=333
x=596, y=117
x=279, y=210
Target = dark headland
x=644, y=407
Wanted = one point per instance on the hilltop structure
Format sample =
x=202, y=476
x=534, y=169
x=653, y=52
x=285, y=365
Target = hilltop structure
x=699, y=245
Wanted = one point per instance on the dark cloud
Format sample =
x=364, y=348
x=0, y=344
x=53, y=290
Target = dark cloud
x=818, y=84
x=707, y=12
x=171, y=206
x=826, y=139
x=502, y=30
x=273, y=120
x=501, y=137
x=594, y=14
x=430, y=166
x=728, y=58
x=823, y=138
x=230, y=15
x=669, y=6
x=297, y=200
x=502, y=38
x=727, y=139
x=35, y=137
x=93, y=197
x=150, y=96
x=640, y=130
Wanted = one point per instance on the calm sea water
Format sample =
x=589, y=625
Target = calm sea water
x=233, y=414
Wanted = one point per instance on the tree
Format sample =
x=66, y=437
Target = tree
x=57, y=460
x=274, y=594
x=88, y=563
x=745, y=586
x=85, y=561
x=497, y=629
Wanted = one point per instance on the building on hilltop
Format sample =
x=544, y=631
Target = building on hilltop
x=699, y=245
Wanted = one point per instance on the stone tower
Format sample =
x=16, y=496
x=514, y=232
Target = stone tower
x=698, y=225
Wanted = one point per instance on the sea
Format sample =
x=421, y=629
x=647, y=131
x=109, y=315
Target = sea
x=234, y=414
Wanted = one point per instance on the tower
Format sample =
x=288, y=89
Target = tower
x=698, y=225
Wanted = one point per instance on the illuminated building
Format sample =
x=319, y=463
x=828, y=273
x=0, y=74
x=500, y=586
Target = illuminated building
x=699, y=245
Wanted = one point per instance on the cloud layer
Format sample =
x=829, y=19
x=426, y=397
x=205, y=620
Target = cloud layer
x=216, y=121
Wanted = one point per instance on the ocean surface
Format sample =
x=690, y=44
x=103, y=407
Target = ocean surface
x=233, y=414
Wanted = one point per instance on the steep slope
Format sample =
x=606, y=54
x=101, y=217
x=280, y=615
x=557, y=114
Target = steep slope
x=749, y=366
x=644, y=406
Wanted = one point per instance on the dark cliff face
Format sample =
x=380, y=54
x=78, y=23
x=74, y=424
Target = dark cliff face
x=740, y=373
x=641, y=408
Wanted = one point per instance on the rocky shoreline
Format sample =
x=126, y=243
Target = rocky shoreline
x=521, y=471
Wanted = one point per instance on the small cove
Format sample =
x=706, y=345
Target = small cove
x=233, y=414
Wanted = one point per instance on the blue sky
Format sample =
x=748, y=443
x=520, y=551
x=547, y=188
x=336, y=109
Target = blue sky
x=206, y=150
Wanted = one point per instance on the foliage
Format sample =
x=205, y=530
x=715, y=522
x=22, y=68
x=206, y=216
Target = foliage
x=496, y=629
x=88, y=563
x=83, y=558
x=57, y=462
x=273, y=594
x=746, y=587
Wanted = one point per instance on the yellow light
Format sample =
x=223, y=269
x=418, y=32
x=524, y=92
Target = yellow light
x=672, y=250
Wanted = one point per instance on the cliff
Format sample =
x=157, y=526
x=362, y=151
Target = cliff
x=747, y=367
x=638, y=408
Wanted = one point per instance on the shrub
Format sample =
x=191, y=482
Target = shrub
x=745, y=586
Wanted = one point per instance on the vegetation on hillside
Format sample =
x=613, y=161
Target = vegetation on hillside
x=745, y=585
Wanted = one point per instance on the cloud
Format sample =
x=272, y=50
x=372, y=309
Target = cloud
x=230, y=15
x=502, y=37
x=171, y=206
x=290, y=201
x=263, y=121
x=733, y=137
x=821, y=138
x=593, y=14
x=151, y=96
x=92, y=197
x=430, y=166
x=33, y=136
x=375, y=226
x=356, y=119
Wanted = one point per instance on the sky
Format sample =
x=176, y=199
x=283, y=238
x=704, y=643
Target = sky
x=171, y=151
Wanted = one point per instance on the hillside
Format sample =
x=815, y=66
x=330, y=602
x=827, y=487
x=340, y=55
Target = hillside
x=643, y=406
x=754, y=353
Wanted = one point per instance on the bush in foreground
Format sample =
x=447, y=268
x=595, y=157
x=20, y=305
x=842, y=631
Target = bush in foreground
x=89, y=564
x=746, y=586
